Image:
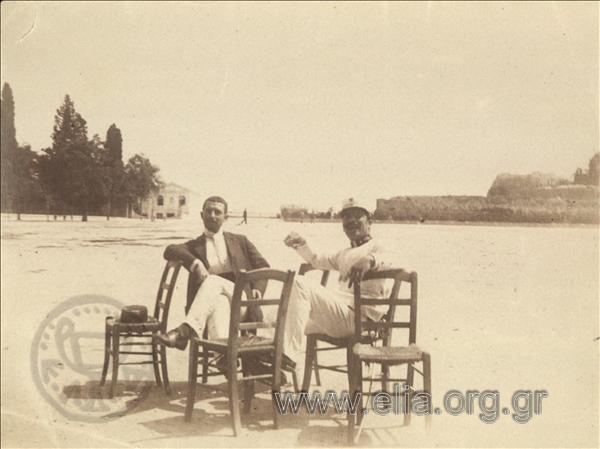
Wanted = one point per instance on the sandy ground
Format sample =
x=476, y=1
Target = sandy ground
x=501, y=308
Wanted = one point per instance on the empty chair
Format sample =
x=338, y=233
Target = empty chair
x=387, y=355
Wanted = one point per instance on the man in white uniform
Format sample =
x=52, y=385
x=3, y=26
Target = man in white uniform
x=315, y=309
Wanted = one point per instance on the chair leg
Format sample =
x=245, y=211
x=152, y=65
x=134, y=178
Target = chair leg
x=192, y=379
x=116, y=342
x=107, y=344
x=355, y=379
x=155, y=359
x=205, y=357
x=316, y=367
x=427, y=387
x=385, y=371
x=234, y=399
x=165, y=370
x=350, y=362
x=248, y=387
x=359, y=386
x=311, y=346
x=276, y=388
x=351, y=417
x=295, y=381
x=407, y=408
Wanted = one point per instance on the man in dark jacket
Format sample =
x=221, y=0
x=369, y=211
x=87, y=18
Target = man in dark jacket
x=212, y=260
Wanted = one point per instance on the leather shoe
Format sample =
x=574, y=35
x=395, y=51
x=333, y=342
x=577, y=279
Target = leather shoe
x=176, y=338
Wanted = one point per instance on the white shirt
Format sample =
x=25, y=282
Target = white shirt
x=342, y=261
x=216, y=253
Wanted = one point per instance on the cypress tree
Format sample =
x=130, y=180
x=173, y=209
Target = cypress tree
x=70, y=169
x=112, y=162
x=8, y=147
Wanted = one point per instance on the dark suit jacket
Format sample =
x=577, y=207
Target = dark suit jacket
x=242, y=255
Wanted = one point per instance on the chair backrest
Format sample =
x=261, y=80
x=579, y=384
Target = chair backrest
x=240, y=301
x=306, y=267
x=384, y=327
x=165, y=292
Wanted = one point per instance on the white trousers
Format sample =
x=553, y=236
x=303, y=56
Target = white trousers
x=316, y=309
x=312, y=309
x=210, y=309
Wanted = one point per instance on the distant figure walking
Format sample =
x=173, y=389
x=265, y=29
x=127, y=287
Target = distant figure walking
x=244, y=217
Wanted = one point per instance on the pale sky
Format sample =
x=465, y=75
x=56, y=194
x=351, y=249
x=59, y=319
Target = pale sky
x=310, y=103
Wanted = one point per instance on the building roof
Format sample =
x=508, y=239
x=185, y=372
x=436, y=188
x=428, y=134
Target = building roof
x=178, y=187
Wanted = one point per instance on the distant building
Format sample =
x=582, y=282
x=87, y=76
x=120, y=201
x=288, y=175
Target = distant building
x=293, y=212
x=172, y=201
x=524, y=186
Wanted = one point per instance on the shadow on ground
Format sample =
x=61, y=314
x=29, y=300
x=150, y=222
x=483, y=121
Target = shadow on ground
x=211, y=416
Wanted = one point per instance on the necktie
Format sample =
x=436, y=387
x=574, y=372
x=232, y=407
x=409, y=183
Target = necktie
x=218, y=252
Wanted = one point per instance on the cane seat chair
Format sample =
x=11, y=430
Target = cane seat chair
x=130, y=339
x=386, y=353
x=331, y=344
x=311, y=362
x=245, y=345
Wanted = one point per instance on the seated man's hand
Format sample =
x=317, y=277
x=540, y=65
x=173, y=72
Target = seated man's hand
x=359, y=269
x=200, y=271
x=294, y=240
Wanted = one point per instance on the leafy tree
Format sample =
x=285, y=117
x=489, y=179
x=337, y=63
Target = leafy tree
x=141, y=179
x=27, y=196
x=8, y=147
x=50, y=170
x=84, y=183
x=69, y=126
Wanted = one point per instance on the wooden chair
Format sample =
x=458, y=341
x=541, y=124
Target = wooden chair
x=243, y=344
x=211, y=369
x=386, y=355
x=311, y=362
x=142, y=334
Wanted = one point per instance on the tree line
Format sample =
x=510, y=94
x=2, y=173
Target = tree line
x=76, y=174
